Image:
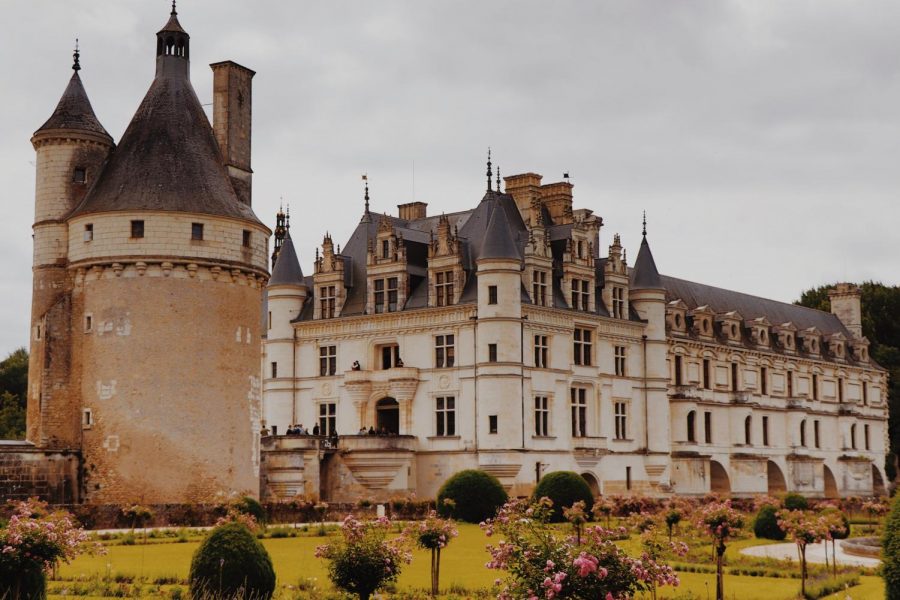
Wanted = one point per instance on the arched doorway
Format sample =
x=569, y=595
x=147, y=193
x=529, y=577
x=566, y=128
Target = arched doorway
x=718, y=479
x=777, y=482
x=592, y=483
x=831, y=489
x=878, y=488
x=387, y=416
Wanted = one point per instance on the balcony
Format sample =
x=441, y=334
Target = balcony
x=298, y=443
x=687, y=392
x=741, y=397
x=358, y=443
x=593, y=444
x=795, y=403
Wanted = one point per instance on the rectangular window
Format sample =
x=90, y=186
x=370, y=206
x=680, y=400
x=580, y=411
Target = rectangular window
x=618, y=302
x=444, y=351
x=621, y=419
x=327, y=360
x=541, y=416
x=328, y=419
x=137, y=229
x=706, y=379
x=840, y=387
x=803, y=433
x=327, y=301
x=765, y=431
x=492, y=424
x=582, y=346
x=37, y=335
x=87, y=418
x=816, y=439
x=492, y=294
x=790, y=384
x=865, y=393
x=445, y=412
x=386, y=295
x=197, y=231
x=274, y=370
x=692, y=426
x=735, y=384
x=88, y=232
x=581, y=294
x=270, y=319
x=579, y=411
x=620, y=361
x=88, y=323
x=443, y=288
x=541, y=350
x=707, y=427
x=385, y=249
x=678, y=370
x=492, y=353
x=763, y=381
x=245, y=240
x=866, y=436
x=390, y=356
x=853, y=436
x=79, y=175
x=815, y=387
x=627, y=478
x=539, y=288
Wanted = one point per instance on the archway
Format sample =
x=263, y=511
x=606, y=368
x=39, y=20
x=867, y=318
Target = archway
x=777, y=482
x=387, y=416
x=718, y=479
x=592, y=483
x=878, y=488
x=831, y=489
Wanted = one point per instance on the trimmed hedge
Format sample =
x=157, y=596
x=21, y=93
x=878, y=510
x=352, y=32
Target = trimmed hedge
x=890, y=552
x=795, y=501
x=564, y=488
x=471, y=496
x=765, y=526
x=232, y=563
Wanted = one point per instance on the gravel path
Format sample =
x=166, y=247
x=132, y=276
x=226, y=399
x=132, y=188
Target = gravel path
x=814, y=554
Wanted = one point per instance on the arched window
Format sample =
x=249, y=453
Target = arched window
x=691, y=426
x=748, y=428
x=803, y=433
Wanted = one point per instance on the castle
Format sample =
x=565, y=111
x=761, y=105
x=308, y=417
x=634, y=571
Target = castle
x=495, y=338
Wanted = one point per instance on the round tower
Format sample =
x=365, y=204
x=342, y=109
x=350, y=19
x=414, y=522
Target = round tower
x=166, y=302
x=71, y=148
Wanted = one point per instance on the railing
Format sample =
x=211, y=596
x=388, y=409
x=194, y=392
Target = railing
x=590, y=443
x=300, y=442
x=342, y=443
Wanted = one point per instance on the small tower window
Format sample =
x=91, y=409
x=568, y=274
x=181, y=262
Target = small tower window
x=492, y=423
x=87, y=418
x=492, y=353
x=89, y=232
x=137, y=229
x=197, y=231
x=492, y=294
x=246, y=241
x=79, y=175
x=88, y=323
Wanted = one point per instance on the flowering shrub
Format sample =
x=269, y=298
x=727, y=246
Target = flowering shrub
x=804, y=528
x=364, y=560
x=32, y=543
x=433, y=534
x=544, y=563
x=603, y=507
x=235, y=515
x=136, y=515
x=721, y=522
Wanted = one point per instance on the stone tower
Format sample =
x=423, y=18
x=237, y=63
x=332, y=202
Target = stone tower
x=149, y=271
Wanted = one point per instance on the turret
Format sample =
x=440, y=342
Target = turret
x=286, y=292
x=173, y=49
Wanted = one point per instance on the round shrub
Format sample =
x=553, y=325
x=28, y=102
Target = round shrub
x=231, y=563
x=471, y=496
x=765, y=525
x=890, y=552
x=564, y=488
x=794, y=501
x=250, y=506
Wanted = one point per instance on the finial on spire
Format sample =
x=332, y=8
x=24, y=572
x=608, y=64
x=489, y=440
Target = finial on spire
x=498, y=178
x=174, y=12
x=365, y=178
x=489, y=172
x=644, y=232
x=76, y=66
x=287, y=217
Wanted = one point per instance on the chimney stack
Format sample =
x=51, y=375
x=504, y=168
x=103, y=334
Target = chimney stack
x=232, y=87
x=412, y=210
x=846, y=303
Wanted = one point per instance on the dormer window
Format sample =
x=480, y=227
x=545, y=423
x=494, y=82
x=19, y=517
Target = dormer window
x=618, y=302
x=385, y=249
x=79, y=175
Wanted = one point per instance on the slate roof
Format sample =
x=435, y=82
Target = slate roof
x=287, y=269
x=498, y=239
x=74, y=111
x=645, y=276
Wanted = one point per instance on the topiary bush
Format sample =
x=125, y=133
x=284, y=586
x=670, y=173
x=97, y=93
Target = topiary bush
x=471, y=496
x=765, y=526
x=890, y=552
x=795, y=501
x=564, y=488
x=231, y=563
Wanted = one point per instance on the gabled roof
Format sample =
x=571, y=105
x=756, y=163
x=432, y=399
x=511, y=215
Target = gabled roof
x=645, y=276
x=74, y=111
x=287, y=269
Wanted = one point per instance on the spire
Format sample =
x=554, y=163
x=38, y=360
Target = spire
x=498, y=237
x=489, y=173
x=367, y=217
x=498, y=179
x=645, y=275
x=76, y=65
x=287, y=269
x=174, y=12
x=644, y=232
x=74, y=110
x=172, y=48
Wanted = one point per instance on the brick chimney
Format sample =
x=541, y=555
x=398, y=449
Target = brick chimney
x=412, y=210
x=232, y=87
x=846, y=304
x=523, y=188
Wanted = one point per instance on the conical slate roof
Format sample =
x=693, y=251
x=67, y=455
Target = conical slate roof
x=74, y=111
x=645, y=276
x=498, y=238
x=287, y=269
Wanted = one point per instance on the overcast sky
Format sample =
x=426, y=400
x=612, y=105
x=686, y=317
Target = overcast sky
x=762, y=138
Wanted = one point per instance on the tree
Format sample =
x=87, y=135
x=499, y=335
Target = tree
x=433, y=534
x=564, y=488
x=720, y=522
x=890, y=552
x=471, y=496
x=804, y=528
x=232, y=563
x=13, y=395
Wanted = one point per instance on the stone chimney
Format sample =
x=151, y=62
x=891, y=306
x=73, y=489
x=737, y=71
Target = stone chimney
x=232, y=86
x=412, y=210
x=523, y=188
x=846, y=304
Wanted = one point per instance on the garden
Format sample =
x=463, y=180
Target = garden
x=472, y=543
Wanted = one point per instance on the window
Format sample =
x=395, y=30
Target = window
x=748, y=431
x=87, y=418
x=865, y=393
x=492, y=294
x=579, y=411
x=492, y=424
x=620, y=360
x=541, y=349
x=390, y=356
x=245, y=241
x=446, y=416
x=444, y=351
x=678, y=370
x=853, y=436
x=274, y=370
x=621, y=420
x=580, y=294
x=692, y=426
x=492, y=353
x=707, y=427
x=270, y=319
x=386, y=295
x=735, y=384
x=840, y=386
x=88, y=232
x=866, y=436
x=79, y=175
x=197, y=231
x=706, y=381
x=582, y=347
x=327, y=360
x=443, y=287
x=539, y=288
x=816, y=439
x=627, y=478
x=327, y=301
x=815, y=387
x=328, y=419
x=88, y=323
x=790, y=384
x=763, y=381
x=385, y=249
x=618, y=302
x=765, y=430
x=803, y=433
x=541, y=416
x=37, y=334
x=137, y=229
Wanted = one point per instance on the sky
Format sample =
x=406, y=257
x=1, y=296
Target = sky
x=761, y=137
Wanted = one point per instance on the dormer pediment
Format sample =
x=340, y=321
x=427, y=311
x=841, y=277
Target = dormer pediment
x=730, y=325
x=676, y=316
x=811, y=338
x=837, y=345
x=759, y=331
x=860, y=348
x=703, y=317
x=786, y=334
